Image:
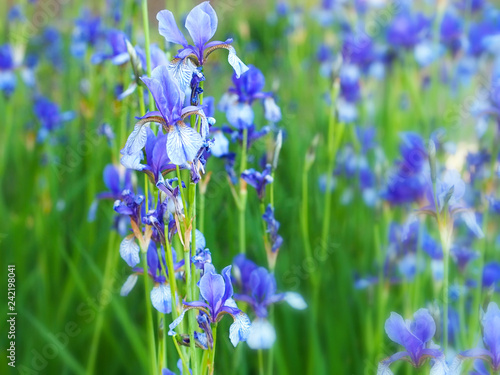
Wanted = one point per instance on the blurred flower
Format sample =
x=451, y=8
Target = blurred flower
x=258, y=180
x=272, y=228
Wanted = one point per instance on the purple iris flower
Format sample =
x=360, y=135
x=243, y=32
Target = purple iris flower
x=407, y=30
x=217, y=292
x=258, y=180
x=201, y=23
x=479, y=34
x=115, y=49
x=237, y=135
x=451, y=31
x=415, y=337
x=491, y=338
x=183, y=142
x=272, y=228
x=49, y=116
x=462, y=255
x=129, y=205
x=358, y=49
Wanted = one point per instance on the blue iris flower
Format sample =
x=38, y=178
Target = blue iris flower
x=201, y=23
x=216, y=291
x=415, y=337
x=258, y=180
x=258, y=290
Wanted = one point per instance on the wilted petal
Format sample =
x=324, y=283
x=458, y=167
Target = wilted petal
x=128, y=285
x=295, y=300
x=240, y=329
x=201, y=23
x=129, y=251
x=168, y=28
x=161, y=298
x=183, y=143
x=262, y=334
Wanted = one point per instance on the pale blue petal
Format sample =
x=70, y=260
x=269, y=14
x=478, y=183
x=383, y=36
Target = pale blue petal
x=262, y=334
x=183, y=143
x=200, y=240
x=129, y=251
x=440, y=367
x=182, y=70
x=220, y=146
x=161, y=298
x=136, y=140
x=295, y=300
x=168, y=28
x=469, y=217
x=240, y=114
x=132, y=161
x=383, y=369
x=238, y=65
x=128, y=285
x=240, y=329
x=175, y=323
x=271, y=111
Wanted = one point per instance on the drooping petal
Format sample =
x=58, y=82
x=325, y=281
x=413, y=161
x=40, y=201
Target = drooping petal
x=440, y=367
x=168, y=28
x=128, y=285
x=383, y=366
x=132, y=161
x=182, y=70
x=201, y=23
x=161, y=298
x=238, y=65
x=295, y=300
x=183, y=143
x=129, y=251
x=240, y=329
x=240, y=115
x=176, y=322
x=136, y=140
x=469, y=217
x=262, y=334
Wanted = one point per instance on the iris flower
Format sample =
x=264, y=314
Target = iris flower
x=201, y=23
x=183, y=142
x=217, y=292
x=415, y=337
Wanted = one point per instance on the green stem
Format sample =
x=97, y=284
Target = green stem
x=243, y=195
x=149, y=313
x=212, y=352
x=261, y=361
x=145, y=19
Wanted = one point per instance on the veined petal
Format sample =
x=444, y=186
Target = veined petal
x=383, y=366
x=182, y=70
x=136, y=140
x=295, y=300
x=176, y=322
x=168, y=28
x=240, y=329
x=132, y=161
x=129, y=251
x=201, y=23
x=440, y=367
x=262, y=334
x=128, y=285
x=183, y=143
x=161, y=298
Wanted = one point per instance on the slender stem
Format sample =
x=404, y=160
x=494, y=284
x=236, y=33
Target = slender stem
x=261, y=361
x=145, y=19
x=445, y=243
x=149, y=313
x=171, y=273
x=243, y=194
x=212, y=354
x=181, y=356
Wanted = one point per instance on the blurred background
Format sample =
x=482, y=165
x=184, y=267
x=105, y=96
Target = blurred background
x=362, y=86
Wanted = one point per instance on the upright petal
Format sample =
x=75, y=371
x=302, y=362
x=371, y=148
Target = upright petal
x=228, y=291
x=212, y=289
x=201, y=23
x=423, y=325
x=398, y=331
x=168, y=28
x=491, y=324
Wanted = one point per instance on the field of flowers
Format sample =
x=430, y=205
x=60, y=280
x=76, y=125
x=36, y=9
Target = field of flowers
x=250, y=187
